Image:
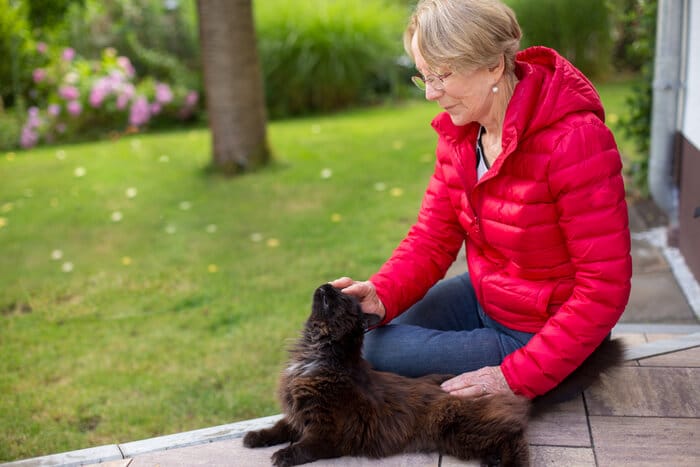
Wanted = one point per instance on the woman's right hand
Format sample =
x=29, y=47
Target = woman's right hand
x=365, y=292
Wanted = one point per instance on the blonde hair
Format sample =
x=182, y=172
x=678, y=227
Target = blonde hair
x=465, y=34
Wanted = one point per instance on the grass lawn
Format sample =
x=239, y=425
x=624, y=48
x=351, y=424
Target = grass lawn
x=143, y=295
x=614, y=95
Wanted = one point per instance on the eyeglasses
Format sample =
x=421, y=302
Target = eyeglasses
x=437, y=82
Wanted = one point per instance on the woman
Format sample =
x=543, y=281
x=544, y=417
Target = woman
x=529, y=177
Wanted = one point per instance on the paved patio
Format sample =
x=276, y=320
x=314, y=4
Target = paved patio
x=647, y=413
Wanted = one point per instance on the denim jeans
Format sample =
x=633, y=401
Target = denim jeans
x=445, y=332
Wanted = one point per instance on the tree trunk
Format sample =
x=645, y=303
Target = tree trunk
x=233, y=85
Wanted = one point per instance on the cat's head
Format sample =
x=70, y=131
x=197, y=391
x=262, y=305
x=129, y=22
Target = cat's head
x=335, y=315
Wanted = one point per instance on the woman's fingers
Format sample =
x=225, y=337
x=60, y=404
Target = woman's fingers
x=342, y=282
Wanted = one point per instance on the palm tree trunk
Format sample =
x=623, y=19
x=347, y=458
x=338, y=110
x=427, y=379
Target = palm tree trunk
x=233, y=85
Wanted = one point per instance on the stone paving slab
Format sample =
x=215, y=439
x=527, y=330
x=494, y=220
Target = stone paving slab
x=233, y=453
x=647, y=258
x=564, y=424
x=643, y=441
x=660, y=347
x=683, y=358
x=119, y=463
x=657, y=298
x=80, y=457
x=647, y=392
x=196, y=437
x=561, y=456
x=655, y=405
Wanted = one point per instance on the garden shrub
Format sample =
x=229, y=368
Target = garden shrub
x=74, y=97
x=17, y=52
x=636, y=125
x=578, y=29
x=10, y=128
x=160, y=37
x=324, y=55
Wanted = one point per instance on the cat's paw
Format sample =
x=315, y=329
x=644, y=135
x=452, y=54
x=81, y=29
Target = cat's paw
x=254, y=439
x=285, y=458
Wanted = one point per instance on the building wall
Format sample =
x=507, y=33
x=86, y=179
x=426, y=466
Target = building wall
x=691, y=120
x=689, y=203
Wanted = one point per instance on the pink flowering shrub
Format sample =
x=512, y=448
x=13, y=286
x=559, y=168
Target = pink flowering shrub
x=73, y=96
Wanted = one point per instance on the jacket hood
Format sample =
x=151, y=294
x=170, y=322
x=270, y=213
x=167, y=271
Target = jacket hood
x=549, y=89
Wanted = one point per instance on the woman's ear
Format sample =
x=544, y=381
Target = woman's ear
x=497, y=70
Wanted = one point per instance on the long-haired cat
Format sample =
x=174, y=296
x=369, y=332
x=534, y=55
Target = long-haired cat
x=336, y=405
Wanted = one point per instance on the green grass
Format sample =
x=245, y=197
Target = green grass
x=614, y=94
x=178, y=316
x=113, y=352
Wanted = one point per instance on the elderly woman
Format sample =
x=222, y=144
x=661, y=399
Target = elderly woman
x=529, y=177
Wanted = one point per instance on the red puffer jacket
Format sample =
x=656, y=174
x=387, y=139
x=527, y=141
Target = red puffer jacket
x=546, y=227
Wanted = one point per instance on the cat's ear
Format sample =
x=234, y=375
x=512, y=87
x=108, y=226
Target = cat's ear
x=370, y=321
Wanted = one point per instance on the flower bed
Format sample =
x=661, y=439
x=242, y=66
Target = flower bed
x=72, y=95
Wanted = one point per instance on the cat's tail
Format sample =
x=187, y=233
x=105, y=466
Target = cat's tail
x=609, y=354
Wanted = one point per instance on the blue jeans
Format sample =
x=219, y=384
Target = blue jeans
x=445, y=332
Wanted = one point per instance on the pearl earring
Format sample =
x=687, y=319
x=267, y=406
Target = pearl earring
x=494, y=89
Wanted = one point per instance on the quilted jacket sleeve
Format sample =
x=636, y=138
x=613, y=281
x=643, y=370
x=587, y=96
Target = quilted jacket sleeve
x=586, y=184
x=424, y=255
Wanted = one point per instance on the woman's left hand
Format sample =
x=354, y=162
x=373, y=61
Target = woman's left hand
x=487, y=380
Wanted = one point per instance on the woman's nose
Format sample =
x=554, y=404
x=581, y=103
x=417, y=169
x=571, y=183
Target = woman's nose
x=431, y=93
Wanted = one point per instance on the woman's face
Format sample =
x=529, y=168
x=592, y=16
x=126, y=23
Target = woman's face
x=467, y=96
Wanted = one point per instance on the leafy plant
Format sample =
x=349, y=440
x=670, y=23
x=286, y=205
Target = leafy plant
x=17, y=52
x=73, y=96
x=636, y=124
x=326, y=55
x=160, y=37
x=578, y=29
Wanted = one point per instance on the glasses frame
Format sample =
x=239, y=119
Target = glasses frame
x=435, y=81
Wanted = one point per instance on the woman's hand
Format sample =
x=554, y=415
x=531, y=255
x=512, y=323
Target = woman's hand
x=487, y=380
x=365, y=292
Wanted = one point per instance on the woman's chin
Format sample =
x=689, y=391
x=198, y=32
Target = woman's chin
x=458, y=120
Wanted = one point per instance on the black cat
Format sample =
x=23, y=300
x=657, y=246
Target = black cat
x=336, y=405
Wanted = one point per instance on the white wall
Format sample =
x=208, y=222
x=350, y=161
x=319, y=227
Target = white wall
x=691, y=118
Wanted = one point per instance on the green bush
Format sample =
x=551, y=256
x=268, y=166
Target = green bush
x=10, y=128
x=630, y=32
x=17, y=49
x=637, y=124
x=74, y=97
x=160, y=37
x=578, y=29
x=325, y=55
x=48, y=14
